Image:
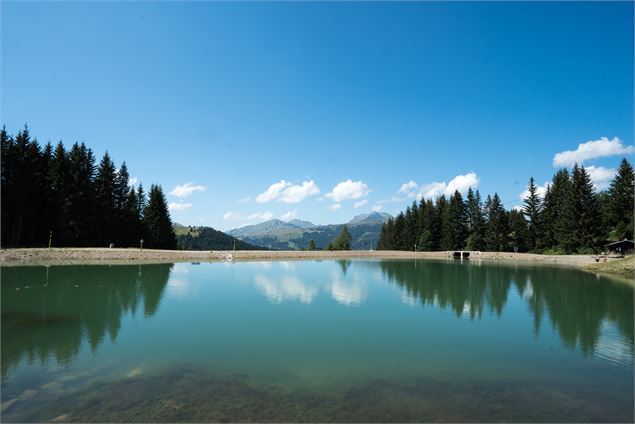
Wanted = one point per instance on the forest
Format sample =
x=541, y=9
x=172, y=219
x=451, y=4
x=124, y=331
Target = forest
x=571, y=218
x=59, y=195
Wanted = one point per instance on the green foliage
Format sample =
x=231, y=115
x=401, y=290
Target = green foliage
x=60, y=192
x=619, y=214
x=532, y=210
x=310, y=245
x=157, y=221
x=206, y=238
x=342, y=242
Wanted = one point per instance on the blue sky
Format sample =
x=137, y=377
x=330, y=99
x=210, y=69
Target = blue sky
x=322, y=111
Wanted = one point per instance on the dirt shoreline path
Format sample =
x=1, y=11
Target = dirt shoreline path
x=33, y=256
x=620, y=268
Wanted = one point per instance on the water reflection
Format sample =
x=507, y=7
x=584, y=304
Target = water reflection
x=345, y=292
x=43, y=320
x=285, y=288
x=576, y=304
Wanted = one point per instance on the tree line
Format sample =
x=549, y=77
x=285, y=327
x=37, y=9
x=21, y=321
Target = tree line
x=571, y=217
x=61, y=194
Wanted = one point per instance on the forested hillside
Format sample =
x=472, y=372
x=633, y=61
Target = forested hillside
x=206, y=238
x=571, y=218
x=60, y=194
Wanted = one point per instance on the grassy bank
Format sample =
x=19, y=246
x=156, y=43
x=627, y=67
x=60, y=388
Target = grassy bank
x=622, y=268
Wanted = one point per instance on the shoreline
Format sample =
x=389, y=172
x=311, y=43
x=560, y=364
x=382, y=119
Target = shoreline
x=621, y=269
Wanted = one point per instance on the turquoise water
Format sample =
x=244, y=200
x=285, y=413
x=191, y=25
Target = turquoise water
x=315, y=341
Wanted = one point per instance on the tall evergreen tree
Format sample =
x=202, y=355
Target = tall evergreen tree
x=343, y=240
x=476, y=221
x=519, y=236
x=105, y=182
x=497, y=228
x=455, y=229
x=620, y=204
x=159, y=228
x=554, y=216
x=532, y=210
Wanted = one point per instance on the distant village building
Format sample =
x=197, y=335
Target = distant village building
x=622, y=246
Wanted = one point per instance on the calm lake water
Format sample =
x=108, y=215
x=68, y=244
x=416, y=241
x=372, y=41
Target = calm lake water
x=315, y=341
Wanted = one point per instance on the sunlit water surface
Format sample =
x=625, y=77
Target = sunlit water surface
x=315, y=341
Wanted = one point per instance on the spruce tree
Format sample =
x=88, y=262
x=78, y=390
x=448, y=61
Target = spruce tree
x=105, y=182
x=532, y=210
x=159, y=228
x=519, y=236
x=497, y=228
x=343, y=240
x=620, y=203
x=476, y=221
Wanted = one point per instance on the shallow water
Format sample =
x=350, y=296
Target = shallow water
x=315, y=341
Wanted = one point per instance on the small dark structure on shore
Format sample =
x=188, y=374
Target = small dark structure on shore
x=460, y=255
x=621, y=247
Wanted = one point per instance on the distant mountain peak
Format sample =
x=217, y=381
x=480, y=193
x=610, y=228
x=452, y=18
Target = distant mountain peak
x=372, y=217
x=302, y=224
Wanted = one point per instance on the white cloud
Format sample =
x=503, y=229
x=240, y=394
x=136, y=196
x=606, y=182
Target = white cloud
x=133, y=181
x=376, y=208
x=592, y=149
x=432, y=190
x=231, y=216
x=186, y=189
x=601, y=176
x=540, y=191
x=335, y=206
x=244, y=200
x=287, y=288
x=348, y=190
x=260, y=216
x=289, y=215
x=360, y=203
x=409, y=189
x=297, y=193
x=435, y=189
x=272, y=192
x=179, y=206
x=462, y=183
x=284, y=191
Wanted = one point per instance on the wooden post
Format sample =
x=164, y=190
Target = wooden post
x=141, y=241
x=50, y=238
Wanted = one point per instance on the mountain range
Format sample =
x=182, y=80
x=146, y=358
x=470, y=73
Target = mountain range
x=295, y=234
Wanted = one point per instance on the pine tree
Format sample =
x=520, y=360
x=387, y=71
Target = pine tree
x=476, y=221
x=310, y=245
x=554, y=215
x=106, y=198
x=80, y=205
x=426, y=212
x=455, y=230
x=159, y=228
x=532, y=210
x=519, y=236
x=620, y=203
x=587, y=211
x=343, y=240
x=497, y=228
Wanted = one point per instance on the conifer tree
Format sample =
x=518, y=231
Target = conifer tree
x=519, y=236
x=476, y=221
x=532, y=210
x=497, y=228
x=554, y=215
x=455, y=229
x=620, y=204
x=160, y=231
x=105, y=182
x=343, y=240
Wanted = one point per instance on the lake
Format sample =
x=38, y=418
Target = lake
x=361, y=340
